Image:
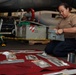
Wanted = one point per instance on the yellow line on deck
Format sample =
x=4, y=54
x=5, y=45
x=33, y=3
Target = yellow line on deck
x=16, y=38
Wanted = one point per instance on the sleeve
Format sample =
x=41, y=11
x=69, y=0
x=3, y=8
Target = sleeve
x=73, y=21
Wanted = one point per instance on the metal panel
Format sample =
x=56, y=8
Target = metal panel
x=53, y=36
x=38, y=33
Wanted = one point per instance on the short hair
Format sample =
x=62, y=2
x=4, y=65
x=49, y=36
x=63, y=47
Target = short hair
x=66, y=6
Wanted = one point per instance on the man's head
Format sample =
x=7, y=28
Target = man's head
x=64, y=9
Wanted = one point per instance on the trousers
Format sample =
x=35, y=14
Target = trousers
x=61, y=48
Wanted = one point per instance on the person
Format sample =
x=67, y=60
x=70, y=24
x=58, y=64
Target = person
x=67, y=26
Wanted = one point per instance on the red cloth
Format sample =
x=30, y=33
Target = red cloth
x=27, y=67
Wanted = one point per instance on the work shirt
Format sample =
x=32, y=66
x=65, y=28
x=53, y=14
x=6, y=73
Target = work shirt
x=68, y=22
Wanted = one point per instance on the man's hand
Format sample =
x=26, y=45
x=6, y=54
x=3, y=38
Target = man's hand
x=59, y=31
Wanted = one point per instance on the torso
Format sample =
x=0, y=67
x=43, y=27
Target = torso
x=68, y=23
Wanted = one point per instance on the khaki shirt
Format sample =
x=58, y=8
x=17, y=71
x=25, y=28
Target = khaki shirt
x=68, y=22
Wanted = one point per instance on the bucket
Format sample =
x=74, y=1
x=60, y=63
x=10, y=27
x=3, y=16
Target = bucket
x=71, y=58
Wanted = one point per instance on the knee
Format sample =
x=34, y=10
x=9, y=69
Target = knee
x=59, y=54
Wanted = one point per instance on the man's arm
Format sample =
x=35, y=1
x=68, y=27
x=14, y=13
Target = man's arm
x=66, y=30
